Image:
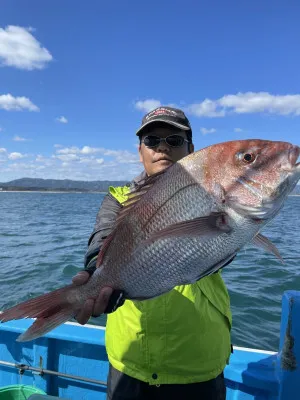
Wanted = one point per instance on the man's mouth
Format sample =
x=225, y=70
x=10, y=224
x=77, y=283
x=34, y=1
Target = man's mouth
x=163, y=159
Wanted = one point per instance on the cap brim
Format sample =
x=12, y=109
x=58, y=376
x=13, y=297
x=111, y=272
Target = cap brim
x=185, y=128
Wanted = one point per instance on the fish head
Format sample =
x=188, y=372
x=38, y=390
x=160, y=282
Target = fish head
x=256, y=173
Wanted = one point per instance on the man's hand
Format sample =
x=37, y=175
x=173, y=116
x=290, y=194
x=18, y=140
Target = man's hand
x=91, y=307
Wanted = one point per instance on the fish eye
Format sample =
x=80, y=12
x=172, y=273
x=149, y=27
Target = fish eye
x=247, y=158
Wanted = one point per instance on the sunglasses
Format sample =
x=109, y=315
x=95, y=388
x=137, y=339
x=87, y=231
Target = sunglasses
x=172, y=141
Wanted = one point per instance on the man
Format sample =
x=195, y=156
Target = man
x=175, y=345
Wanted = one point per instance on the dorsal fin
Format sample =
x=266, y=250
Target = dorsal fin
x=137, y=193
x=133, y=199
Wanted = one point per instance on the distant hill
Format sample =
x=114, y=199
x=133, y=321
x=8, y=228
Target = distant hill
x=67, y=185
x=59, y=185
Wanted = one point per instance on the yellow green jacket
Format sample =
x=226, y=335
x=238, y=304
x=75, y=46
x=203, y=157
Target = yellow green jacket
x=182, y=336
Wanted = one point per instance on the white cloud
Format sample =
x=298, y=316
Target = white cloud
x=90, y=150
x=240, y=103
x=1, y=129
x=19, y=139
x=126, y=157
x=147, y=105
x=247, y=103
x=238, y=130
x=86, y=160
x=207, y=108
x=2, y=150
x=250, y=102
x=113, y=153
x=68, y=150
x=11, y=103
x=67, y=157
x=121, y=156
x=16, y=156
x=62, y=120
x=205, y=131
x=20, y=49
x=21, y=167
x=82, y=163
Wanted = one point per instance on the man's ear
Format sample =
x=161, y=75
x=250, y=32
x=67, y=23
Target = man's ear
x=191, y=148
x=140, y=153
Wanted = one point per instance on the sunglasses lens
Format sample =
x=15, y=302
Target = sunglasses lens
x=151, y=141
x=175, y=140
x=172, y=141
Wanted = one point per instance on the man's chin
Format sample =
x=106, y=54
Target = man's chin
x=161, y=165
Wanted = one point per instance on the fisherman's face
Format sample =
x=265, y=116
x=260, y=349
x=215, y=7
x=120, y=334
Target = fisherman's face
x=162, y=156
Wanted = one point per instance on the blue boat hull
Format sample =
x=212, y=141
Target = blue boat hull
x=71, y=361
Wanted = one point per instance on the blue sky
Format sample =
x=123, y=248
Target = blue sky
x=77, y=77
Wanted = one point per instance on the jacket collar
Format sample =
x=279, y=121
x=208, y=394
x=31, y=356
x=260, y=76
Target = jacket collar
x=138, y=180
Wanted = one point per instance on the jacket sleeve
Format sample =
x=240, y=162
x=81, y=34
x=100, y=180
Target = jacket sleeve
x=106, y=217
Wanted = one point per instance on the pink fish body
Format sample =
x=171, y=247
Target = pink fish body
x=181, y=225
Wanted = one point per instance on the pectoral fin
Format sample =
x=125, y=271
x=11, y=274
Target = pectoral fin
x=267, y=245
x=211, y=225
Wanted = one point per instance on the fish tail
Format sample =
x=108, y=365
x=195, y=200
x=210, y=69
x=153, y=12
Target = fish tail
x=50, y=311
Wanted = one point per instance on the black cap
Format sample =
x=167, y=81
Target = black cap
x=168, y=115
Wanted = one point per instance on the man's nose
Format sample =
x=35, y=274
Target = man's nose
x=163, y=146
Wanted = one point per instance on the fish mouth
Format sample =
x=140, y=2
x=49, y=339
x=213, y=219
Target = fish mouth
x=294, y=154
x=290, y=178
x=292, y=166
x=293, y=172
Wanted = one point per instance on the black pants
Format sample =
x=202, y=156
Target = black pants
x=123, y=387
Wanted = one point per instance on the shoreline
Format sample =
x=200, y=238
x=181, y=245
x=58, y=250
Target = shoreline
x=47, y=191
